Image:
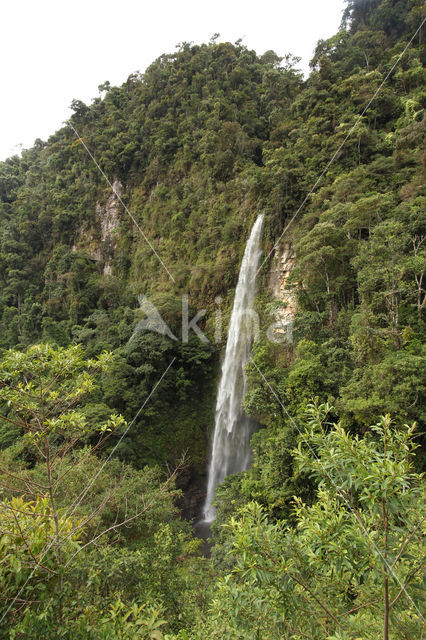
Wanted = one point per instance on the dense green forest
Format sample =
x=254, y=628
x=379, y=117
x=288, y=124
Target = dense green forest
x=151, y=190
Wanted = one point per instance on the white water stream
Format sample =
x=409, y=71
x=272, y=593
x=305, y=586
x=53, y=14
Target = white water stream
x=233, y=429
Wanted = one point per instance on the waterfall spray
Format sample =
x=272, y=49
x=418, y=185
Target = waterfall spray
x=233, y=429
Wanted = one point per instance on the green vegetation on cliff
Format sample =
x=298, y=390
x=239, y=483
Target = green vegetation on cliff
x=321, y=537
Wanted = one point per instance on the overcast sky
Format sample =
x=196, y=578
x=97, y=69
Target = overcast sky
x=54, y=50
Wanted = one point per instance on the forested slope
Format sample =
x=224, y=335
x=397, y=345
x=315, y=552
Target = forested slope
x=195, y=148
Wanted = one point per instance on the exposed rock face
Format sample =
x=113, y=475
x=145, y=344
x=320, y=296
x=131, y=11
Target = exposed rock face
x=99, y=242
x=108, y=216
x=282, y=266
x=193, y=493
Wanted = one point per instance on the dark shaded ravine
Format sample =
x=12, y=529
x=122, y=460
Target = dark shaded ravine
x=202, y=530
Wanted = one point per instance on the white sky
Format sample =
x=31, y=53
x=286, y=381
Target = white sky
x=54, y=50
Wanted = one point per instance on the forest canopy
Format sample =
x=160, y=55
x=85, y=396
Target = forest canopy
x=105, y=427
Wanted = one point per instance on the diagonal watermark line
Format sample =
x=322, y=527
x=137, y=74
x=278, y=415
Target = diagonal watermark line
x=336, y=153
x=126, y=209
x=67, y=514
x=339, y=491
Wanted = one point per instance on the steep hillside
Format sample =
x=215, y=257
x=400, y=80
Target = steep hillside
x=149, y=194
x=182, y=146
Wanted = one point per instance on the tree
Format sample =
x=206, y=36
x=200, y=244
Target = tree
x=58, y=499
x=323, y=273
x=349, y=564
x=382, y=266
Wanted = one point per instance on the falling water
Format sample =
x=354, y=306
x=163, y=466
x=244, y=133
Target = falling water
x=233, y=429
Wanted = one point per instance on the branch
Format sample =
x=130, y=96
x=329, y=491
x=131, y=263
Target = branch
x=20, y=600
x=361, y=606
x=66, y=406
x=28, y=546
x=16, y=424
x=113, y=527
x=8, y=487
x=22, y=425
x=22, y=479
x=407, y=541
x=62, y=451
x=26, y=513
x=402, y=590
x=100, y=442
x=94, y=513
x=304, y=586
x=147, y=506
x=11, y=386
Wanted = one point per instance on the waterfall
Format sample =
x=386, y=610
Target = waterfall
x=233, y=429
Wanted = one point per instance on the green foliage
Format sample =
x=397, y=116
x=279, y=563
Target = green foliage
x=197, y=145
x=27, y=530
x=41, y=389
x=349, y=560
x=87, y=542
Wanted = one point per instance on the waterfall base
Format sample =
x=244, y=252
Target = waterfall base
x=202, y=531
